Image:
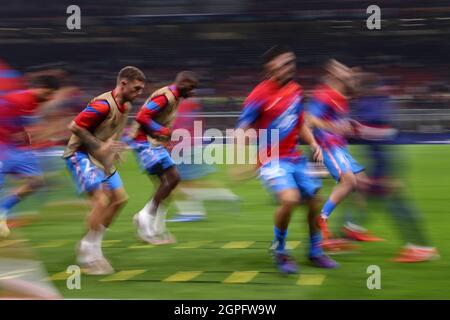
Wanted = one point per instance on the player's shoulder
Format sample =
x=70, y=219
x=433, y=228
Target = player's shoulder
x=20, y=97
x=261, y=90
x=17, y=94
x=326, y=94
x=295, y=88
x=319, y=92
x=100, y=105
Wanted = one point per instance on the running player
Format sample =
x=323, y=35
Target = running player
x=194, y=189
x=89, y=156
x=376, y=131
x=17, y=110
x=149, y=137
x=328, y=116
x=277, y=103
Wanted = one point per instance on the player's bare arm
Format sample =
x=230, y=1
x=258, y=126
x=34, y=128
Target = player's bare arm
x=339, y=127
x=307, y=137
x=88, y=139
x=105, y=152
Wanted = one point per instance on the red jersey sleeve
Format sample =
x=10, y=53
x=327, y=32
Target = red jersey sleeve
x=93, y=114
x=148, y=111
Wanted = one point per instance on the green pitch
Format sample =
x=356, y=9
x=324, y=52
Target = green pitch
x=225, y=257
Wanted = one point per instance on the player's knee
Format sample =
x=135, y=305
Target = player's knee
x=36, y=182
x=288, y=199
x=119, y=200
x=363, y=183
x=288, y=204
x=314, y=204
x=122, y=201
x=99, y=199
x=349, y=180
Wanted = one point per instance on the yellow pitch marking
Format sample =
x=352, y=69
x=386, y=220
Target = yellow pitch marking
x=238, y=244
x=192, y=244
x=311, y=279
x=183, y=276
x=59, y=276
x=123, y=275
x=109, y=243
x=141, y=246
x=241, y=277
x=52, y=244
x=291, y=245
x=7, y=243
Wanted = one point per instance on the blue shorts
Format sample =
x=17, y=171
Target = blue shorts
x=339, y=161
x=289, y=174
x=19, y=162
x=89, y=177
x=153, y=160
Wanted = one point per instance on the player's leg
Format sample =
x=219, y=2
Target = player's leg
x=409, y=221
x=363, y=185
x=107, y=203
x=169, y=179
x=340, y=168
x=316, y=254
x=151, y=219
x=117, y=197
x=278, y=179
x=90, y=246
x=30, y=185
x=89, y=179
x=309, y=188
x=288, y=199
x=25, y=165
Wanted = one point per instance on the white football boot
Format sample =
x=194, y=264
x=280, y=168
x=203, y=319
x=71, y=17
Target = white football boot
x=91, y=259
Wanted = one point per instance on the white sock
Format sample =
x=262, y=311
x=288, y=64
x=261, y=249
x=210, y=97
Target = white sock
x=94, y=237
x=147, y=217
x=150, y=208
x=160, y=219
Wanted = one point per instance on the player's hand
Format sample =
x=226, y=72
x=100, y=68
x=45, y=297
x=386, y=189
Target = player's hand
x=163, y=135
x=317, y=153
x=120, y=158
x=111, y=146
x=108, y=151
x=168, y=145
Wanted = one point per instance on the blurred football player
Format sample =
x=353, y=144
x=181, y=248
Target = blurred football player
x=328, y=116
x=372, y=108
x=18, y=109
x=150, y=137
x=277, y=103
x=193, y=188
x=90, y=155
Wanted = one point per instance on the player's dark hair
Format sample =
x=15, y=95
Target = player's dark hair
x=274, y=52
x=45, y=81
x=186, y=76
x=131, y=73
